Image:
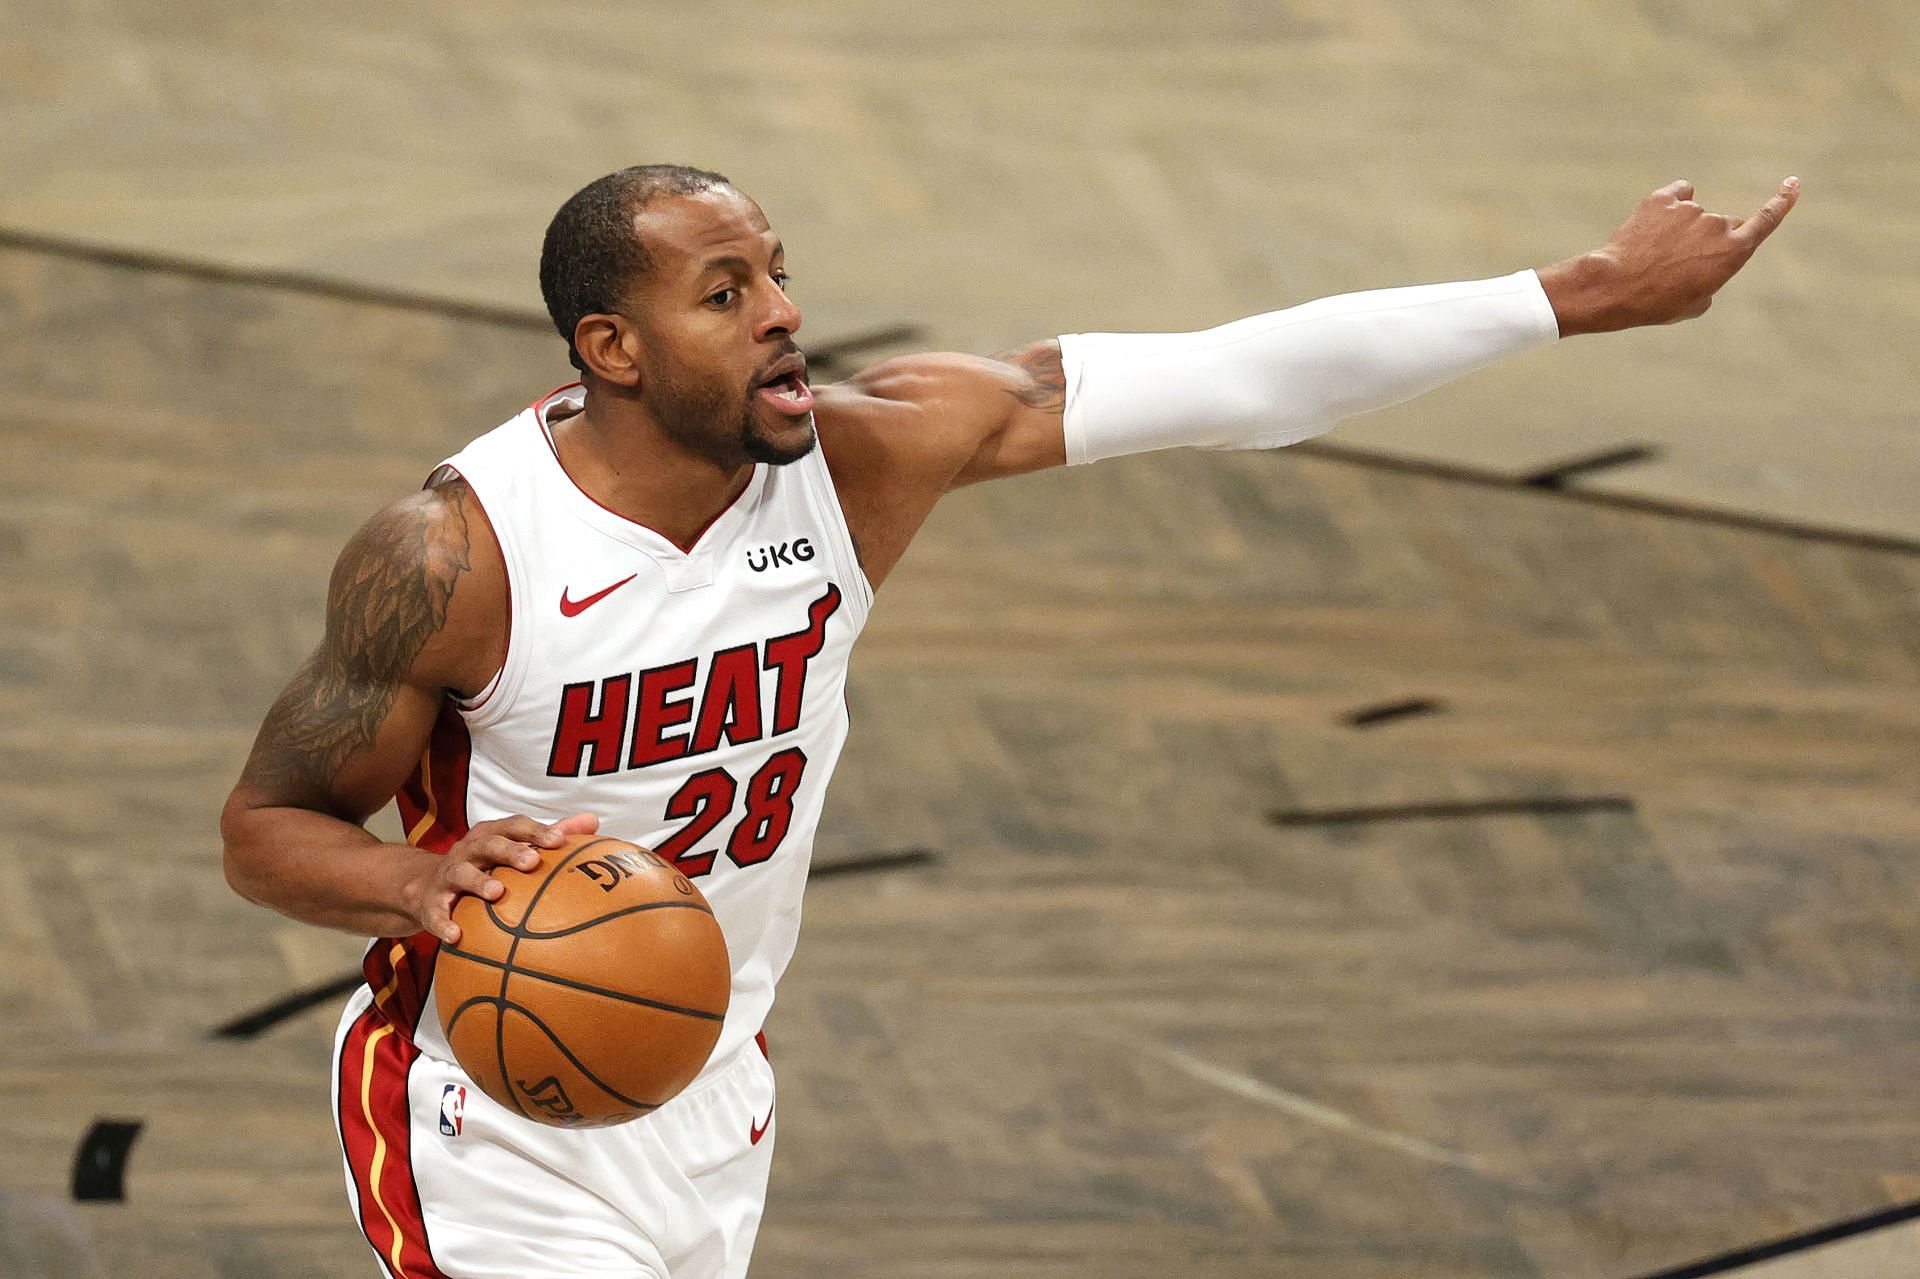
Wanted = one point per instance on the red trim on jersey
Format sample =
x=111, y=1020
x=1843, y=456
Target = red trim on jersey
x=539, y=406
x=540, y=416
x=399, y=973
x=506, y=579
x=433, y=799
x=433, y=807
x=377, y=1135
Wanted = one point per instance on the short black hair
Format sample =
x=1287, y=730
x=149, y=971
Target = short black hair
x=591, y=254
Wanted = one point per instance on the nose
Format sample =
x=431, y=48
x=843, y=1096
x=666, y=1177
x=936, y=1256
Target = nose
x=781, y=318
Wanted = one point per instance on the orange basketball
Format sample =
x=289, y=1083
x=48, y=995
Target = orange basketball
x=592, y=991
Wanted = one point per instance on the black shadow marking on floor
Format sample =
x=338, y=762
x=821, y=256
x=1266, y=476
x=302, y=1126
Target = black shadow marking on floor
x=1444, y=809
x=100, y=1165
x=1612, y=499
x=265, y=278
x=1557, y=475
x=832, y=357
x=256, y=1023
x=894, y=859
x=1791, y=1244
x=1387, y=712
x=822, y=355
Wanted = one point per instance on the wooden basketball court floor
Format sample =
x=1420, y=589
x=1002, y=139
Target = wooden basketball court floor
x=1121, y=1023
x=1281, y=864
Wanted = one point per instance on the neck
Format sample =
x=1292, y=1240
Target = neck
x=623, y=459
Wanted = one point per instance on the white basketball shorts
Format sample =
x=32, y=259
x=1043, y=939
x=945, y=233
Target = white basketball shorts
x=449, y=1184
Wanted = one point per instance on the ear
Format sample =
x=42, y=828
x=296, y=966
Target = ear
x=609, y=347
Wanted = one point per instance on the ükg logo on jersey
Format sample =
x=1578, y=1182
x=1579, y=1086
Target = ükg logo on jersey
x=780, y=554
x=635, y=719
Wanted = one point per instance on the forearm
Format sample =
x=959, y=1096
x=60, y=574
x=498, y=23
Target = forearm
x=321, y=869
x=1279, y=378
x=1288, y=375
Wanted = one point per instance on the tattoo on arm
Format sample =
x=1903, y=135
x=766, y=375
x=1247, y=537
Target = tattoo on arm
x=389, y=596
x=1045, y=383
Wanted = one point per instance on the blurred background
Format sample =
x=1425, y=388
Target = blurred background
x=1483, y=844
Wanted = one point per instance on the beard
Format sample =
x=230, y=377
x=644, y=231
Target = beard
x=714, y=421
x=758, y=447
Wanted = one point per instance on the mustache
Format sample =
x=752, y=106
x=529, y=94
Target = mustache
x=788, y=349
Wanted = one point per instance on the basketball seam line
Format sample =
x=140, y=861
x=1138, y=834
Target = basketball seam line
x=508, y=967
x=503, y=925
x=505, y=1006
x=522, y=932
x=578, y=1065
x=500, y=1022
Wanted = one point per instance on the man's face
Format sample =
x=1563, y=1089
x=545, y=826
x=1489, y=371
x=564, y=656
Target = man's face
x=721, y=372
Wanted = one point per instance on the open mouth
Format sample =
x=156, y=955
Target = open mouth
x=788, y=394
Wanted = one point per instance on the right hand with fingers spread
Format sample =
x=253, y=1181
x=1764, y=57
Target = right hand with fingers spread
x=466, y=867
x=1662, y=265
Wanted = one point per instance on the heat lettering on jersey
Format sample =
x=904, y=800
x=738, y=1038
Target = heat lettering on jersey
x=643, y=718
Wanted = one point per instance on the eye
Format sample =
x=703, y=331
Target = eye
x=721, y=297
x=781, y=278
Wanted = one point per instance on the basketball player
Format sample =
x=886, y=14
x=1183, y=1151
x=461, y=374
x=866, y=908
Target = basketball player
x=632, y=605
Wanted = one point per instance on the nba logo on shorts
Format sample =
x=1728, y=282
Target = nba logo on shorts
x=453, y=1107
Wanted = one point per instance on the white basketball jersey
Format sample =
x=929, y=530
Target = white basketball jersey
x=693, y=699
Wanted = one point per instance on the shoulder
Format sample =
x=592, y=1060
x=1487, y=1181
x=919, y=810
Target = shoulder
x=420, y=589
x=424, y=531
x=899, y=435
x=936, y=408
x=950, y=380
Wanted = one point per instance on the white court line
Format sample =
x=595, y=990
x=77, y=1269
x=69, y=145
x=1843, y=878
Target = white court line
x=1312, y=1111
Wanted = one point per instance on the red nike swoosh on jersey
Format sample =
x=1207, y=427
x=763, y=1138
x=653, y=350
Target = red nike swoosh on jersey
x=756, y=1131
x=573, y=608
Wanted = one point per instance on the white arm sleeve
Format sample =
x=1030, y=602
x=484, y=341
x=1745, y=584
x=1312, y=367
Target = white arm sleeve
x=1289, y=375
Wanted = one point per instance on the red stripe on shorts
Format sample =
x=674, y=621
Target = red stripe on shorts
x=375, y=1128
x=376, y=1133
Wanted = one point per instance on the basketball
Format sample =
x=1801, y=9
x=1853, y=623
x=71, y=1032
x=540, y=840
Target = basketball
x=592, y=991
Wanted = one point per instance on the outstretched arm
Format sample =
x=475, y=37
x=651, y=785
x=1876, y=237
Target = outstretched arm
x=1663, y=264
x=907, y=430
